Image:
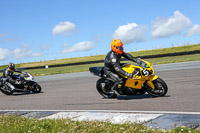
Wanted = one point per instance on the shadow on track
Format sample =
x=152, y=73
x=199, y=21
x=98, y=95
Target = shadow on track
x=24, y=93
x=132, y=97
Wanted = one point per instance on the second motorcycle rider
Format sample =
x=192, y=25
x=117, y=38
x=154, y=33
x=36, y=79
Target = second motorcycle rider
x=112, y=64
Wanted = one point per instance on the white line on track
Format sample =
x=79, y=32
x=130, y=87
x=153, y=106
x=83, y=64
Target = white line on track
x=108, y=111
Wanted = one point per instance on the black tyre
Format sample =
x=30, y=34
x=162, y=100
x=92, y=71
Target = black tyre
x=104, y=89
x=160, y=88
x=6, y=90
x=36, y=88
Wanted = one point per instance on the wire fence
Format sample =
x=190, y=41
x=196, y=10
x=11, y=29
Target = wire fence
x=101, y=61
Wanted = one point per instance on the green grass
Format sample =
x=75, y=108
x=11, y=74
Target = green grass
x=81, y=68
x=168, y=50
x=59, y=70
x=101, y=57
x=174, y=59
x=17, y=124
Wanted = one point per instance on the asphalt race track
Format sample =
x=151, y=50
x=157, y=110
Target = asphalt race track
x=74, y=96
x=77, y=91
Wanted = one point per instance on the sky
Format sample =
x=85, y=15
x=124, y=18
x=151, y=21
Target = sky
x=41, y=30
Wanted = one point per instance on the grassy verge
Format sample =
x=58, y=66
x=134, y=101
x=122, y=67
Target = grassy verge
x=174, y=59
x=101, y=57
x=17, y=124
x=81, y=68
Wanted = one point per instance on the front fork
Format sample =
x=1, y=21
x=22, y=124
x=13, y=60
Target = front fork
x=151, y=79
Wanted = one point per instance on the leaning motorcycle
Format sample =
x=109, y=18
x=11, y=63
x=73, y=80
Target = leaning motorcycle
x=141, y=83
x=27, y=84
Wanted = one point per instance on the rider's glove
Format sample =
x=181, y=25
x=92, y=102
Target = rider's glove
x=24, y=73
x=136, y=71
x=129, y=75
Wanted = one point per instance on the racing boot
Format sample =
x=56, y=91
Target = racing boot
x=115, y=88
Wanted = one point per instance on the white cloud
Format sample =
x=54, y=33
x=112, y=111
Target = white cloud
x=19, y=53
x=22, y=52
x=37, y=54
x=2, y=35
x=25, y=52
x=64, y=28
x=44, y=46
x=81, y=46
x=168, y=26
x=4, y=53
x=130, y=33
x=7, y=38
x=193, y=30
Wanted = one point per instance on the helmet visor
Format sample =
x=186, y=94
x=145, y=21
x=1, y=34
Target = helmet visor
x=119, y=48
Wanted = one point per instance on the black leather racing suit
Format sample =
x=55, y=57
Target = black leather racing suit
x=112, y=67
x=9, y=75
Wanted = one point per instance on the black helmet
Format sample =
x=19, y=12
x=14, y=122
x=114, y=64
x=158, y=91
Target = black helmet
x=11, y=66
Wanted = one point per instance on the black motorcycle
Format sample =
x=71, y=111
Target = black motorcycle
x=27, y=84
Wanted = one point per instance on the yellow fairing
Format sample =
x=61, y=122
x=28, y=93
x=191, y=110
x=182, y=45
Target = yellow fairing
x=129, y=68
x=133, y=83
x=139, y=80
x=152, y=78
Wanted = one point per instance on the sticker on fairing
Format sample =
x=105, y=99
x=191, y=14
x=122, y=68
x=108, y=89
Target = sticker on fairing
x=114, y=60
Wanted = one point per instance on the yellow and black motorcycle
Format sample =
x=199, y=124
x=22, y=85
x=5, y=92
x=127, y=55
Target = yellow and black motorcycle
x=143, y=82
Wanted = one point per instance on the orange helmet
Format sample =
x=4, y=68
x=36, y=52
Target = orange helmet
x=117, y=46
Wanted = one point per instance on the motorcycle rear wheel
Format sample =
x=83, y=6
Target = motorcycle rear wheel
x=160, y=88
x=6, y=90
x=104, y=89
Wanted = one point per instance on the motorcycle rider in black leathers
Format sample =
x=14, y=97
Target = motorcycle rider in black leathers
x=8, y=74
x=112, y=64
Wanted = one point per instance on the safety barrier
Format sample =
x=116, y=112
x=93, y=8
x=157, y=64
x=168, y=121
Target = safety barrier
x=101, y=61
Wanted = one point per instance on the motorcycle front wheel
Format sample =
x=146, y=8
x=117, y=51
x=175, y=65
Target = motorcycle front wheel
x=36, y=88
x=104, y=89
x=160, y=88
